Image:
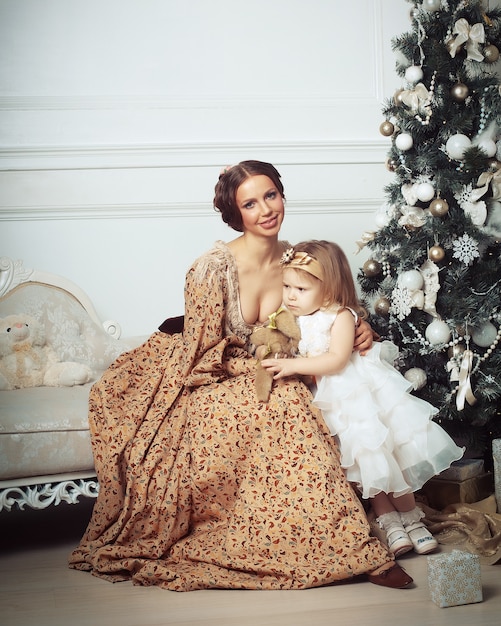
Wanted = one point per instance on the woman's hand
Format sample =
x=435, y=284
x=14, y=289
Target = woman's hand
x=364, y=337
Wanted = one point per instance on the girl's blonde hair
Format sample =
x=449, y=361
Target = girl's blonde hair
x=338, y=286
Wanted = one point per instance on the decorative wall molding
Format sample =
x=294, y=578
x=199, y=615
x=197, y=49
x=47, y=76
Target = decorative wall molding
x=25, y=158
x=176, y=210
x=79, y=102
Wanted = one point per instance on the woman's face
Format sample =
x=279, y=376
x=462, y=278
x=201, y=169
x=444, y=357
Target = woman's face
x=261, y=205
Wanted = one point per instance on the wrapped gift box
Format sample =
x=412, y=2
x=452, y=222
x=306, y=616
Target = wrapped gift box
x=440, y=493
x=496, y=457
x=463, y=469
x=454, y=578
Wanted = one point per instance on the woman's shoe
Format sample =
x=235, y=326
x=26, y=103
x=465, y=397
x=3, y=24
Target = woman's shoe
x=394, y=577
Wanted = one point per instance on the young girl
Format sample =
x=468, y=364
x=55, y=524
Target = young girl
x=389, y=444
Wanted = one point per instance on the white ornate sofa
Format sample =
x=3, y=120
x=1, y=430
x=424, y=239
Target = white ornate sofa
x=45, y=451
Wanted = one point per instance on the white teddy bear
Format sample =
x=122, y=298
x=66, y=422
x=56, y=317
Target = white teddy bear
x=26, y=360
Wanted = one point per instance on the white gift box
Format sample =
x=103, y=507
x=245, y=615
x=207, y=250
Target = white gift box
x=454, y=578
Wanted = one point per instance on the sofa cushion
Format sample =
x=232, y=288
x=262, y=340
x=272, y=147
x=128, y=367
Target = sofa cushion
x=44, y=430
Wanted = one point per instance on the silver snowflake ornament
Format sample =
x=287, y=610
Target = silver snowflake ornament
x=401, y=302
x=465, y=249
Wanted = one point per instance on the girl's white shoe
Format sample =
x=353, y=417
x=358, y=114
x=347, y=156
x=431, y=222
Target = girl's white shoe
x=423, y=541
x=396, y=537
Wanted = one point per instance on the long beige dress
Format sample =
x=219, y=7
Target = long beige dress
x=203, y=487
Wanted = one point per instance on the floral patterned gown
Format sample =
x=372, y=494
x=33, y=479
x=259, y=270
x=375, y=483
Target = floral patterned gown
x=203, y=487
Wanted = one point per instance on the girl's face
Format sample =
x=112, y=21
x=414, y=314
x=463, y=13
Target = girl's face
x=302, y=292
x=261, y=205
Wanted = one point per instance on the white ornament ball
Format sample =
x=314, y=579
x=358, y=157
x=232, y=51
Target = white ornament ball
x=404, y=141
x=456, y=146
x=412, y=279
x=416, y=376
x=484, y=335
x=437, y=332
x=381, y=220
x=384, y=214
x=425, y=192
x=413, y=74
x=431, y=5
x=488, y=146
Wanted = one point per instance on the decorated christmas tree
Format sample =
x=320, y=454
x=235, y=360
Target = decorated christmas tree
x=432, y=283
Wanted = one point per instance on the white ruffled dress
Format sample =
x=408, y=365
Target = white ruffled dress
x=387, y=438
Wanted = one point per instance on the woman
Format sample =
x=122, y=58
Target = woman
x=201, y=486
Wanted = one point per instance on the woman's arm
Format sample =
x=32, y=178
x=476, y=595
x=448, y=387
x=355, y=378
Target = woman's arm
x=364, y=337
x=205, y=335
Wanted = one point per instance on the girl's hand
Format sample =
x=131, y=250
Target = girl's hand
x=280, y=368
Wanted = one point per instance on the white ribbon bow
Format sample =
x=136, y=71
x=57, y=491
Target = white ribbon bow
x=416, y=98
x=364, y=240
x=429, y=272
x=417, y=299
x=471, y=35
x=409, y=192
x=477, y=212
x=412, y=216
x=453, y=368
x=464, y=391
x=492, y=178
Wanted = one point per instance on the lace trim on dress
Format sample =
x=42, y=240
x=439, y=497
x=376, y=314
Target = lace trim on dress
x=220, y=260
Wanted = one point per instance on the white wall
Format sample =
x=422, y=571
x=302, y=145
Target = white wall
x=117, y=115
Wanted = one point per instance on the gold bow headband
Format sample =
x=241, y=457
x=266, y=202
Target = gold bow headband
x=302, y=261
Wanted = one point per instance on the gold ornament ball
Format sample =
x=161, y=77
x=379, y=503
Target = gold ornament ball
x=372, y=267
x=491, y=53
x=436, y=253
x=382, y=306
x=493, y=165
x=391, y=165
x=455, y=350
x=459, y=92
x=387, y=129
x=439, y=207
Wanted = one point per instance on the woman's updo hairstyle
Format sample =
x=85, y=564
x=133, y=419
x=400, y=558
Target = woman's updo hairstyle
x=230, y=180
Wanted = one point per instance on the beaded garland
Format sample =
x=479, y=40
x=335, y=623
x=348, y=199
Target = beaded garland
x=484, y=115
x=457, y=340
x=495, y=316
x=427, y=105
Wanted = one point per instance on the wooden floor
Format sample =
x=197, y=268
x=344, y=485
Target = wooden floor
x=38, y=589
